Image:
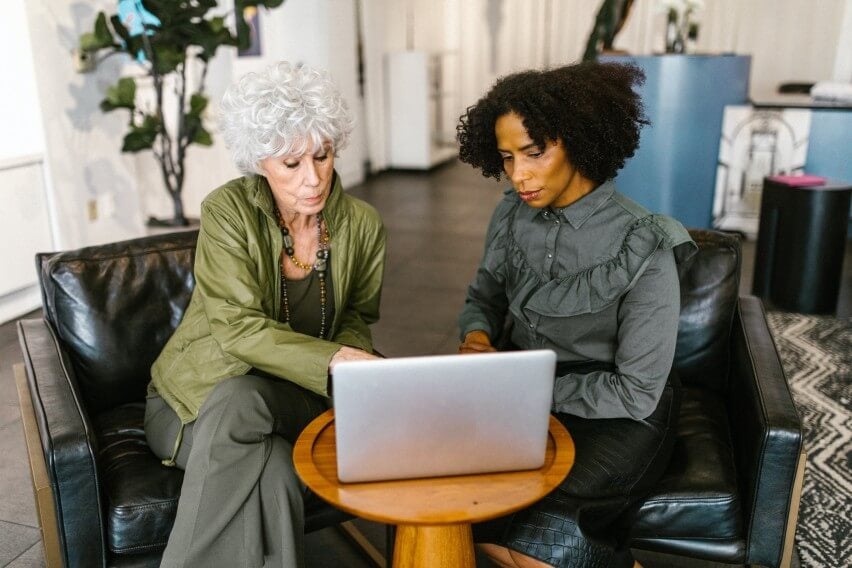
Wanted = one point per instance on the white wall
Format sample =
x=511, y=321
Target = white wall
x=843, y=59
x=19, y=113
x=26, y=227
x=81, y=142
x=373, y=22
x=789, y=40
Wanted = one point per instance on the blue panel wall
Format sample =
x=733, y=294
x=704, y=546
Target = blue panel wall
x=674, y=169
x=830, y=146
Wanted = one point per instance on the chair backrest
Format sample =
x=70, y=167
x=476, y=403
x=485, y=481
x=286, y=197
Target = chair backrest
x=709, y=288
x=114, y=306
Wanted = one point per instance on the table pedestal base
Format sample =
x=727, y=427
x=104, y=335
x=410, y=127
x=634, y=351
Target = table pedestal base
x=434, y=546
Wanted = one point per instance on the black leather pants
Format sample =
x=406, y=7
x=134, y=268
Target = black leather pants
x=579, y=523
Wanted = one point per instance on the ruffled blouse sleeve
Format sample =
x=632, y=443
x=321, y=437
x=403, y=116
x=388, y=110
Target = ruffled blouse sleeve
x=486, y=302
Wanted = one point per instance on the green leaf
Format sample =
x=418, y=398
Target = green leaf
x=88, y=42
x=142, y=137
x=165, y=11
x=99, y=39
x=197, y=104
x=102, y=33
x=167, y=58
x=120, y=95
x=209, y=35
x=202, y=137
x=217, y=24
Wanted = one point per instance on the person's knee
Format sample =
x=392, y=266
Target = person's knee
x=238, y=405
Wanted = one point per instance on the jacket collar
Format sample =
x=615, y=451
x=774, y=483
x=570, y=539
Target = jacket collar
x=262, y=198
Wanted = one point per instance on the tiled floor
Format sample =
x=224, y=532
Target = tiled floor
x=436, y=223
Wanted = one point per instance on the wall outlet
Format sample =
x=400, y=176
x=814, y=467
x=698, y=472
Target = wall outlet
x=92, y=209
x=84, y=61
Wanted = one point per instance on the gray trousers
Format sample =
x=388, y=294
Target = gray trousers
x=241, y=503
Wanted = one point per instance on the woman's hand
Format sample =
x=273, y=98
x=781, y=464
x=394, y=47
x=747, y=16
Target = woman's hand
x=476, y=341
x=349, y=354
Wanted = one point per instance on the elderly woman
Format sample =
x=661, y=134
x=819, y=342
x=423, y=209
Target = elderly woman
x=288, y=274
x=578, y=268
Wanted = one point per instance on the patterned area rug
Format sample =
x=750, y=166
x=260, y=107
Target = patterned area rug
x=816, y=353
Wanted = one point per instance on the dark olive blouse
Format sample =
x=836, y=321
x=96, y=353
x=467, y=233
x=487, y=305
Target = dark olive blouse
x=303, y=297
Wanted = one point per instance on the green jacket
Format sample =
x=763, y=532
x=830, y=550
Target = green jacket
x=230, y=325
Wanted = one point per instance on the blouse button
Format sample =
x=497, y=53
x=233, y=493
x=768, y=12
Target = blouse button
x=549, y=255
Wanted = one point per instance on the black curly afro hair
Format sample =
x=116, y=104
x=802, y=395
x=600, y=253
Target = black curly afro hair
x=591, y=107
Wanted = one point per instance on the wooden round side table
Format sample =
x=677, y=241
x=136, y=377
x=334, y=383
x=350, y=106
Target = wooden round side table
x=433, y=515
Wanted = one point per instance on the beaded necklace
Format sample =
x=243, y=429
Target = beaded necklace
x=320, y=265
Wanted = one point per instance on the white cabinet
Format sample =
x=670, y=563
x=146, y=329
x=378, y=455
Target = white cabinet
x=421, y=102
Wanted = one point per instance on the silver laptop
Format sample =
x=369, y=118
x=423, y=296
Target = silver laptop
x=442, y=415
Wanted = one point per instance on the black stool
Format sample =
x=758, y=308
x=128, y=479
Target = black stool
x=800, y=245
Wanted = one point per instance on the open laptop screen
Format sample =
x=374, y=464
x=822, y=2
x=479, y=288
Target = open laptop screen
x=442, y=415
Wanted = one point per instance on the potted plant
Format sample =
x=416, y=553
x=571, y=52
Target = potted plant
x=169, y=40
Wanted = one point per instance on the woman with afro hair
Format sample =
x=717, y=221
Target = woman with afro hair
x=572, y=265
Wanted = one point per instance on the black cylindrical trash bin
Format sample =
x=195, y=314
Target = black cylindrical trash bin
x=800, y=245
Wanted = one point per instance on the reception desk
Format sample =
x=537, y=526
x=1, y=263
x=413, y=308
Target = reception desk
x=674, y=169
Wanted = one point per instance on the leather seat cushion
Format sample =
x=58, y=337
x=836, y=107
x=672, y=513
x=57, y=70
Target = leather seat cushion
x=697, y=497
x=140, y=493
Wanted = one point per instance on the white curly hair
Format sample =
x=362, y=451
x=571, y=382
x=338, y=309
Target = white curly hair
x=281, y=111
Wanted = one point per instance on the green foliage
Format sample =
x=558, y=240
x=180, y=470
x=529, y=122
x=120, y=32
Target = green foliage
x=120, y=95
x=142, y=137
x=99, y=39
x=187, y=31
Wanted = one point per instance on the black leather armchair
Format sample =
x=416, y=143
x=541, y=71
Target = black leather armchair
x=103, y=498
x=730, y=493
x=732, y=489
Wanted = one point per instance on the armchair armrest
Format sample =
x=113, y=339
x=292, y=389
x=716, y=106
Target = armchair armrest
x=68, y=443
x=766, y=432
